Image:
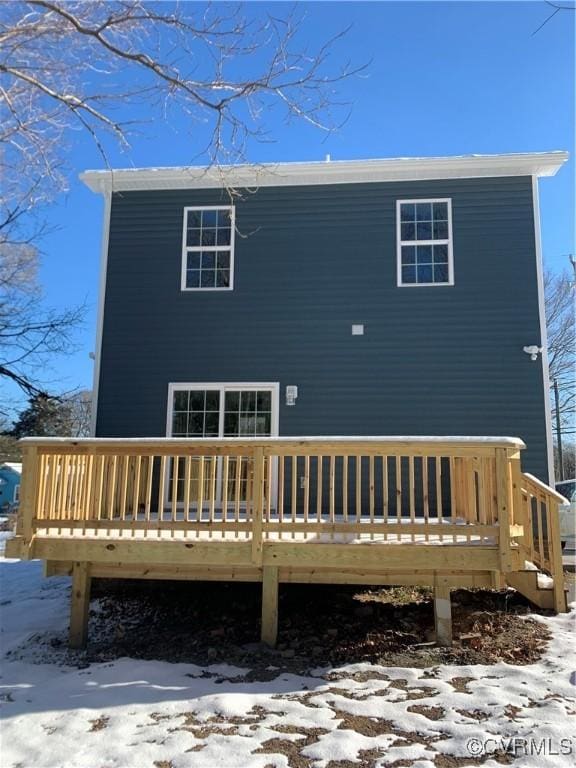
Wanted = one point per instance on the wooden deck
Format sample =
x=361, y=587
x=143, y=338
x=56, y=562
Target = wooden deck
x=444, y=512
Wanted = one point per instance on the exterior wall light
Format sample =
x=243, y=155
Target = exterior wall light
x=291, y=394
x=533, y=351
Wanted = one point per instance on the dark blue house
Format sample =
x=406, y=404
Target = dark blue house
x=378, y=297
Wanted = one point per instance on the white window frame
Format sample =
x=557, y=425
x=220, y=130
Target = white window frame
x=400, y=243
x=222, y=387
x=198, y=248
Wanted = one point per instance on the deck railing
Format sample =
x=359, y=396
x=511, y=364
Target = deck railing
x=416, y=490
x=541, y=540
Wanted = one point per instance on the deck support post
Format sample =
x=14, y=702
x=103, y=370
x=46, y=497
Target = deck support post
x=80, y=603
x=269, y=632
x=442, y=615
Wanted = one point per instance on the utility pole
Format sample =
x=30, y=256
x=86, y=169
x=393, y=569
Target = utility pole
x=558, y=430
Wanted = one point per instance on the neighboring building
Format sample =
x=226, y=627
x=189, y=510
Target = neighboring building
x=379, y=297
x=10, y=474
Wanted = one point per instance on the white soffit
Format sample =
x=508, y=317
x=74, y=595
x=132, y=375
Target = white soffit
x=336, y=172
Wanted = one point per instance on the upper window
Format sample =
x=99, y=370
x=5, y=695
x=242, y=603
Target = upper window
x=424, y=237
x=208, y=248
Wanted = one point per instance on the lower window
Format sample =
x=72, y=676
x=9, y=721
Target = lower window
x=221, y=411
x=218, y=411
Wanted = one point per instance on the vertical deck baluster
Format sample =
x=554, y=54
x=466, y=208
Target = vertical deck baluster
x=99, y=501
x=49, y=486
x=225, y=472
x=358, y=488
x=319, y=489
x=412, y=494
x=40, y=487
x=439, y=511
x=268, y=489
x=331, y=490
x=187, y=480
x=385, y=484
x=199, y=508
x=136, y=492
x=85, y=491
x=371, y=490
x=212, y=507
x=174, y=506
x=124, y=492
x=238, y=478
x=540, y=530
x=399, y=496
x=454, y=490
x=306, y=490
x=112, y=487
x=455, y=482
x=71, y=485
x=68, y=480
x=281, y=460
x=294, y=494
x=161, y=495
x=425, y=496
x=148, y=497
x=345, y=460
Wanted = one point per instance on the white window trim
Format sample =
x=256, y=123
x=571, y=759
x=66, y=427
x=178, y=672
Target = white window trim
x=400, y=243
x=223, y=386
x=186, y=249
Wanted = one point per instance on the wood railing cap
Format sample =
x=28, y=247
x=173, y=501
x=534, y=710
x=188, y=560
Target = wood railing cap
x=404, y=440
x=546, y=488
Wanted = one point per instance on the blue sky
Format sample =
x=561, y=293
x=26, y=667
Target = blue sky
x=445, y=79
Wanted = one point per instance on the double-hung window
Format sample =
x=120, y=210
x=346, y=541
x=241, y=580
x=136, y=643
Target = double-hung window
x=424, y=242
x=208, y=248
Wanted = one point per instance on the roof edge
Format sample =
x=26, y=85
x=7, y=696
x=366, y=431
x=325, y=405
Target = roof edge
x=325, y=172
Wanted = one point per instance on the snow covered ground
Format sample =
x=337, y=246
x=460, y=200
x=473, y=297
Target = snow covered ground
x=142, y=714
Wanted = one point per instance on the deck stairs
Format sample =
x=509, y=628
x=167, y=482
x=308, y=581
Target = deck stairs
x=537, y=587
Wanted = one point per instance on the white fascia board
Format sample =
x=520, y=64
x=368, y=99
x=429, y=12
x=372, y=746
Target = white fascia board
x=338, y=172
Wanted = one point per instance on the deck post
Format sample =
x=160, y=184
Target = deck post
x=555, y=548
x=80, y=603
x=269, y=632
x=257, y=506
x=442, y=615
x=504, y=497
x=28, y=492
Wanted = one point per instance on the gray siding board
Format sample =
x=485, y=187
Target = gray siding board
x=312, y=261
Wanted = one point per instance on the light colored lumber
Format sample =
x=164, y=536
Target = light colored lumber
x=28, y=492
x=526, y=582
x=257, y=506
x=269, y=631
x=80, y=603
x=371, y=556
x=143, y=551
x=555, y=548
x=504, y=504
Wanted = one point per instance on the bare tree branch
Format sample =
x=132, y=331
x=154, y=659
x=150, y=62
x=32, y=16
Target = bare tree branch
x=559, y=293
x=104, y=68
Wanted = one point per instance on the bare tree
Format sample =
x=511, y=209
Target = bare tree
x=559, y=293
x=79, y=407
x=29, y=334
x=559, y=302
x=102, y=68
x=72, y=65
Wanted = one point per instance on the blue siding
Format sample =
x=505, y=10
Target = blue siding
x=9, y=480
x=314, y=260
